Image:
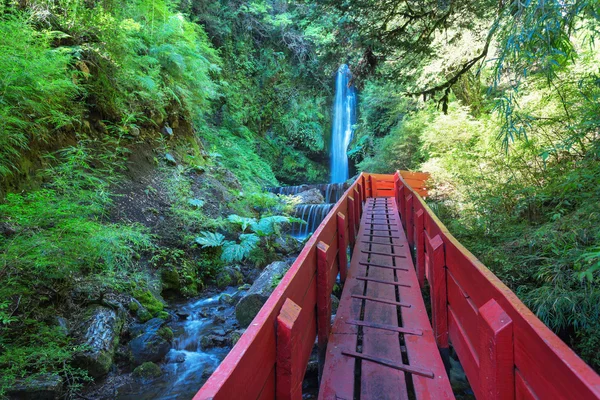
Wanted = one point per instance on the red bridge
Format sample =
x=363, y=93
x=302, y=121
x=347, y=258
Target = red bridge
x=382, y=344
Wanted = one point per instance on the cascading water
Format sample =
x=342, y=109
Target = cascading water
x=344, y=117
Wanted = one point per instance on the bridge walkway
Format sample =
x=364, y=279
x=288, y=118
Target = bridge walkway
x=381, y=344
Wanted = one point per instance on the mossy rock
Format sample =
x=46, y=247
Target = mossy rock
x=134, y=306
x=147, y=370
x=229, y=276
x=170, y=279
x=166, y=333
x=143, y=315
x=149, y=301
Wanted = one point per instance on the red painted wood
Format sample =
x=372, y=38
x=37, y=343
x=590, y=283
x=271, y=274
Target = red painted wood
x=522, y=389
x=289, y=368
x=323, y=296
x=544, y=366
x=409, y=219
x=342, y=244
x=466, y=312
x=356, y=208
x=420, y=247
x=439, y=297
x=465, y=350
x=351, y=221
x=496, y=358
x=378, y=381
x=549, y=367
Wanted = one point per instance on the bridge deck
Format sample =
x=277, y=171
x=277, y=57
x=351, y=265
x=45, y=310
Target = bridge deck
x=381, y=345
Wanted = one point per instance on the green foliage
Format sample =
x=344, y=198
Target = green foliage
x=37, y=90
x=210, y=239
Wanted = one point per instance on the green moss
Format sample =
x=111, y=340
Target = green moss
x=144, y=315
x=133, y=306
x=149, y=301
x=147, y=370
x=166, y=333
x=170, y=279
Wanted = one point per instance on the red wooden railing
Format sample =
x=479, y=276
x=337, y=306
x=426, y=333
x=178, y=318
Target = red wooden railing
x=505, y=350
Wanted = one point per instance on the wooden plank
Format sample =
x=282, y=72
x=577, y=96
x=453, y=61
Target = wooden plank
x=496, y=360
x=465, y=311
x=522, y=389
x=379, y=382
x=465, y=350
x=289, y=368
x=422, y=350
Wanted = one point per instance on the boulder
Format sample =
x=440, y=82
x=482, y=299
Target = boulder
x=229, y=276
x=249, y=305
x=210, y=341
x=146, y=371
x=152, y=345
x=40, y=387
x=311, y=196
x=99, y=332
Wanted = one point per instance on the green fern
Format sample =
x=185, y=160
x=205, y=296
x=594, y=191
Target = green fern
x=210, y=239
x=243, y=222
x=236, y=252
x=269, y=225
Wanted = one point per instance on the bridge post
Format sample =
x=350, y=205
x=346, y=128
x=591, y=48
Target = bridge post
x=420, y=247
x=360, y=200
x=409, y=220
x=496, y=354
x=351, y=221
x=342, y=245
x=363, y=187
x=439, y=293
x=356, y=209
x=289, y=369
x=323, y=302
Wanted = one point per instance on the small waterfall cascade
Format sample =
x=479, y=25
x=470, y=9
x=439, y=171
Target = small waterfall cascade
x=330, y=191
x=312, y=214
x=344, y=117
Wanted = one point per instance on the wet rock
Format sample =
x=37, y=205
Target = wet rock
x=210, y=341
x=311, y=196
x=180, y=358
x=234, y=336
x=259, y=292
x=182, y=314
x=100, y=333
x=41, y=387
x=287, y=245
x=229, y=276
x=147, y=370
x=151, y=345
x=226, y=298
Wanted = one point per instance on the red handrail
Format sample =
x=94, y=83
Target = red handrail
x=505, y=350
x=250, y=369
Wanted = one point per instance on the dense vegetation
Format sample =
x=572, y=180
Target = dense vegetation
x=194, y=107
x=511, y=140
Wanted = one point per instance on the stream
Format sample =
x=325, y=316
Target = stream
x=187, y=366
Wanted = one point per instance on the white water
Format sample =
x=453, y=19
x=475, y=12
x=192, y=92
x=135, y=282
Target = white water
x=344, y=117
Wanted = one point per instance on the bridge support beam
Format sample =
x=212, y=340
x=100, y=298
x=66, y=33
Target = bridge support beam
x=496, y=353
x=420, y=247
x=289, y=368
x=342, y=246
x=324, y=286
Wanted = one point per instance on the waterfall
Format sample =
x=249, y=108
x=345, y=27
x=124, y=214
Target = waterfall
x=344, y=117
x=312, y=214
